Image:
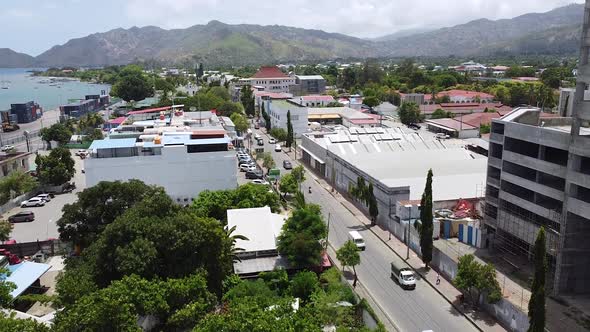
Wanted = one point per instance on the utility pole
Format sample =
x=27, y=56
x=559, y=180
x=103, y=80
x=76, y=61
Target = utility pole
x=328, y=233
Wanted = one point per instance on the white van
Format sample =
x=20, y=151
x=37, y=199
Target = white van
x=356, y=237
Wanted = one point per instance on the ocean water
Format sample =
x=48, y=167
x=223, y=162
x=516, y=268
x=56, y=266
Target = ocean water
x=23, y=87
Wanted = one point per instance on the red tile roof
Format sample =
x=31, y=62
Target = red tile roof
x=477, y=119
x=150, y=110
x=317, y=98
x=269, y=72
x=452, y=124
x=118, y=120
x=464, y=93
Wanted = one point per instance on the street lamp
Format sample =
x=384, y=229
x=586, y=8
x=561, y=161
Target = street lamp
x=409, y=207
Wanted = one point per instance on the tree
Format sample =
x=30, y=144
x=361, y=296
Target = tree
x=98, y=206
x=304, y=284
x=298, y=173
x=5, y=230
x=89, y=122
x=373, y=205
x=240, y=122
x=55, y=169
x=485, y=128
x=9, y=322
x=537, y=301
x=334, y=104
x=220, y=92
x=440, y=114
x=95, y=134
x=16, y=184
x=57, y=132
x=301, y=235
x=132, y=84
x=247, y=99
x=474, y=279
x=371, y=101
x=289, y=138
x=229, y=108
x=348, y=255
x=268, y=162
x=279, y=134
x=289, y=184
x=6, y=287
x=409, y=113
x=426, y=226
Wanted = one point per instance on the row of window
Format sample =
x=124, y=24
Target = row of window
x=274, y=82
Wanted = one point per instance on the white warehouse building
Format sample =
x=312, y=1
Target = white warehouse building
x=277, y=110
x=184, y=163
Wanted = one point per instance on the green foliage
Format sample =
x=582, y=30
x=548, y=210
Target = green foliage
x=304, y=284
x=290, y=135
x=288, y=184
x=240, y=122
x=426, y=223
x=5, y=230
x=247, y=99
x=55, y=169
x=175, y=303
x=88, y=123
x=485, y=128
x=5, y=288
x=537, y=301
x=267, y=160
x=299, y=241
x=279, y=134
x=214, y=204
x=16, y=184
x=474, y=279
x=229, y=108
x=348, y=255
x=371, y=101
x=409, y=113
x=58, y=132
x=440, y=114
x=256, y=291
x=132, y=84
x=8, y=322
x=220, y=92
x=517, y=71
x=298, y=173
x=98, y=206
x=94, y=135
x=334, y=104
x=277, y=280
x=372, y=202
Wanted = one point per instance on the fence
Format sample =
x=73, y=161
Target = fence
x=20, y=138
x=15, y=202
x=51, y=247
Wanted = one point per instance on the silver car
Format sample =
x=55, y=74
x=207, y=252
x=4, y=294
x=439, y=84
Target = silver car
x=35, y=201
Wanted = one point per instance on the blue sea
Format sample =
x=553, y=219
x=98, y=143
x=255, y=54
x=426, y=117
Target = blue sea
x=23, y=87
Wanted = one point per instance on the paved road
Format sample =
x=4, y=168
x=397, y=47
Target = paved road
x=413, y=310
x=44, y=226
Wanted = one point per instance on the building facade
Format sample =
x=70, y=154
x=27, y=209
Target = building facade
x=277, y=109
x=308, y=84
x=183, y=163
x=13, y=162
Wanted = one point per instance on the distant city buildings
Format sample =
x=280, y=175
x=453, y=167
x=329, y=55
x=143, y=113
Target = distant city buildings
x=308, y=85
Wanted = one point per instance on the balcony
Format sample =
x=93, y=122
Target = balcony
x=532, y=207
x=534, y=163
x=531, y=185
x=497, y=138
x=494, y=182
x=494, y=162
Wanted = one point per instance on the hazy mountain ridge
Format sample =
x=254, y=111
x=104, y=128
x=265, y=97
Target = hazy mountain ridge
x=217, y=43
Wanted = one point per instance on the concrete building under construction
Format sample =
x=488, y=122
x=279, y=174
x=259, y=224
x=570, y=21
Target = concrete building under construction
x=539, y=175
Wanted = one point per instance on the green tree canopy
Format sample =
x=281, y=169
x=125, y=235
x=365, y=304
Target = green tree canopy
x=371, y=101
x=9, y=322
x=16, y=184
x=426, y=222
x=240, y=122
x=290, y=134
x=229, y=108
x=288, y=184
x=57, y=132
x=279, y=134
x=304, y=284
x=247, y=99
x=474, y=279
x=301, y=235
x=98, y=206
x=537, y=301
x=132, y=84
x=409, y=113
x=5, y=230
x=348, y=255
x=55, y=169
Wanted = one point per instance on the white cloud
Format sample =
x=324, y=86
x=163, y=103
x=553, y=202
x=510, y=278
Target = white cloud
x=360, y=18
x=19, y=13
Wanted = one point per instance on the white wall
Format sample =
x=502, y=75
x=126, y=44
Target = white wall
x=278, y=118
x=183, y=175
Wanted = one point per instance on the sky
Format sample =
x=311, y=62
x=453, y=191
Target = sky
x=34, y=26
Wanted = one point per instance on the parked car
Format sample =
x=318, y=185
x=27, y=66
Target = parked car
x=257, y=136
x=256, y=174
x=246, y=162
x=35, y=201
x=442, y=136
x=45, y=197
x=7, y=148
x=23, y=216
x=414, y=126
x=247, y=167
x=259, y=181
x=287, y=164
x=260, y=142
x=278, y=148
x=272, y=141
x=256, y=126
x=81, y=153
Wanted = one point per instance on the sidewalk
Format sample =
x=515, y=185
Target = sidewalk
x=480, y=319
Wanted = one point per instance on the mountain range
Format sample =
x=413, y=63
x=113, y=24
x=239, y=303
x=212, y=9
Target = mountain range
x=216, y=43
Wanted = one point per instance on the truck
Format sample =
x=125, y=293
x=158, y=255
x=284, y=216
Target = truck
x=404, y=275
x=7, y=123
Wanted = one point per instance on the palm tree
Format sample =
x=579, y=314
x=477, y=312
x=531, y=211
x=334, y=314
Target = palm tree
x=232, y=241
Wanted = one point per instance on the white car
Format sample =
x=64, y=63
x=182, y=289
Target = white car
x=259, y=181
x=247, y=167
x=278, y=148
x=442, y=136
x=272, y=141
x=44, y=197
x=82, y=153
x=35, y=201
x=7, y=148
x=257, y=136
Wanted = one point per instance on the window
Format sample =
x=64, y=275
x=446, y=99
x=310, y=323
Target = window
x=294, y=117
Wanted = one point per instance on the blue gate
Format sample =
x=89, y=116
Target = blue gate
x=461, y=233
x=469, y=234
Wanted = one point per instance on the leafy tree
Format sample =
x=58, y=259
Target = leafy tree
x=98, y=206
x=240, y=122
x=247, y=99
x=266, y=118
x=299, y=240
x=9, y=322
x=334, y=104
x=349, y=78
x=289, y=139
x=373, y=205
x=6, y=287
x=5, y=230
x=220, y=92
x=55, y=169
x=298, y=173
x=289, y=184
x=89, y=122
x=371, y=101
x=132, y=84
x=484, y=128
x=537, y=301
x=348, y=255
x=57, y=132
x=95, y=134
x=426, y=227
x=256, y=291
x=517, y=71
x=445, y=80
x=268, y=162
x=277, y=280
x=409, y=113
x=440, y=114
x=474, y=278
x=229, y=108
x=304, y=284
x=16, y=184
x=279, y=134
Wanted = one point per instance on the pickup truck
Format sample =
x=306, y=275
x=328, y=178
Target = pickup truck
x=404, y=275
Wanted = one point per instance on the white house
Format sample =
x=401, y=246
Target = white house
x=277, y=110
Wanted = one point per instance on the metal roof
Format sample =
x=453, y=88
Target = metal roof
x=24, y=274
x=112, y=143
x=259, y=225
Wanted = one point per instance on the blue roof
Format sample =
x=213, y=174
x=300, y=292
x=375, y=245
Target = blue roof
x=23, y=275
x=113, y=143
